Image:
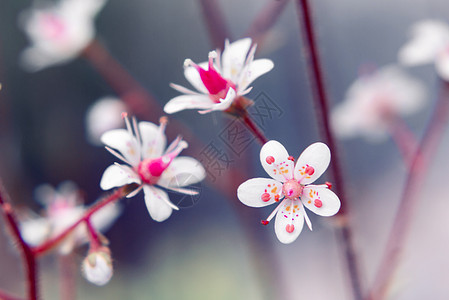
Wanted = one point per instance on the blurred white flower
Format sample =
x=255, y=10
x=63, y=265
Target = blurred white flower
x=142, y=146
x=97, y=266
x=374, y=100
x=64, y=208
x=429, y=43
x=291, y=186
x=102, y=116
x=58, y=32
x=226, y=78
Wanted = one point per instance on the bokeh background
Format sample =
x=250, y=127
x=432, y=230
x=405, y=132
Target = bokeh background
x=204, y=251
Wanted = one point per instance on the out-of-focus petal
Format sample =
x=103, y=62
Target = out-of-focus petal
x=442, y=65
x=253, y=71
x=224, y=103
x=233, y=58
x=259, y=192
x=125, y=143
x=153, y=140
x=35, y=231
x=183, y=171
x=194, y=78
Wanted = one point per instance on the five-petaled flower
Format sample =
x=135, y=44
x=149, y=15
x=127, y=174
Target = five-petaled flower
x=142, y=146
x=429, y=43
x=291, y=187
x=63, y=208
x=221, y=80
x=58, y=33
x=375, y=101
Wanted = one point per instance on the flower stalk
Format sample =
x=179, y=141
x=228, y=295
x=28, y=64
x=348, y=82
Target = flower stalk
x=408, y=203
x=322, y=109
x=27, y=253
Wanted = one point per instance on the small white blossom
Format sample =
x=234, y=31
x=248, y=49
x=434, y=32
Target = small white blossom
x=374, y=101
x=141, y=147
x=58, y=32
x=64, y=208
x=429, y=43
x=291, y=187
x=103, y=116
x=221, y=80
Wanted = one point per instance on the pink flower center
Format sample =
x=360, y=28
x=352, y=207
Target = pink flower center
x=292, y=189
x=53, y=26
x=215, y=84
x=151, y=169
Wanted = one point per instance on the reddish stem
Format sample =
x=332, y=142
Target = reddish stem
x=408, y=203
x=26, y=251
x=321, y=102
x=404, y=139
x=115, y=196
x=249, y=123
x=216, y=24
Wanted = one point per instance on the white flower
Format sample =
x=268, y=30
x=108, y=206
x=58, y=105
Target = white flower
x=291, y=187
x=97, y=267
x=429, y=43
x=58, y=32
x=227, y=77
x=374, y=101
x=64, y=208
x=142, y=146
x=103, y=116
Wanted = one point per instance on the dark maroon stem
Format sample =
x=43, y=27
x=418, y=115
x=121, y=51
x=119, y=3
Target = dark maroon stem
x=249, y=123
x=322, y=110
x=27, y=254
x=265, y=20
x=46, y=246
x=215, y=21
x=410, y=195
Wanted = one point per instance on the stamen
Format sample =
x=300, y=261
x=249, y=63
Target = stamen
x=118, y=155
x=291, y=158
x=136, y=130
x=128, y=124
x=273, y=213
x=328, y=184
x=264, y=222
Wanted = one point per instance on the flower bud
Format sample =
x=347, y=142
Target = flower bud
x=97, y=267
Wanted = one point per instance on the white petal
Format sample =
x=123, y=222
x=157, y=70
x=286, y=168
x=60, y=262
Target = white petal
x=254, y=70
x=193, y=76
x=153, y=140
x=259, y=192
x=317, y=156
x=156, y=202
x=124, y=142
x=274, y=159
x=118, y=175
x=428, y=38
x=183, y=171
x=35, y=231
x=320, y=200
x=182, y=89
x=233, y=58
x=224, y=103
x=188, y=102
x=289, y=221
x=442, y=65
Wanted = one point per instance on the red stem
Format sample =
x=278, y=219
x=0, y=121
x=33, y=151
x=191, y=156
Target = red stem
x=46, y=246
x=249, y=123
x=322, y=110
x=408, y=203
x=404, y=139
x=26, y=251
x=216, y=24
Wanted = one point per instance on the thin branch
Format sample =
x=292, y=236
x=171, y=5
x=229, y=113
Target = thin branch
x=27, y=254
x=322, y=109
x=410, y=195
x=51, y=243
